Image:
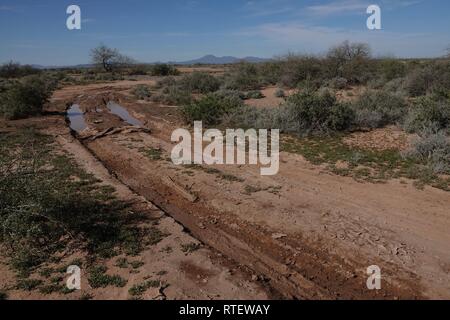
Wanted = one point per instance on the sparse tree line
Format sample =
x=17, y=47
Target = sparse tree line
x=413, y=93
x=25, y=89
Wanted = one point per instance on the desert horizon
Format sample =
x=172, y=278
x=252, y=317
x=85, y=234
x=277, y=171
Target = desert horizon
x=307, y=159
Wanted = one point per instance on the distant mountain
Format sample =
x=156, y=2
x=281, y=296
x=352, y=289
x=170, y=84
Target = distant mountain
x=78, y=66
x=208, y=59
x=211, y=59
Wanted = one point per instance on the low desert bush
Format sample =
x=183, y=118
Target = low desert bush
x=338, y=83
x=173, y=95
x=432, y=147
x=142, y=92
x=249, y=117
x=211, y=109
x=139, y=70
x=419, y=82
x=392, y=69
x=233, y=94
x=297, y=69
x=199, y=82
x=243, y=76
x=433, y=78
x=395, y=86
x=310, y=113
x=303, y=113
x=26, y=98
x=280, y=93
x=254, y=94
x=164, y=70
x=15, y=70
x=166, y=82
x=376, y=109
x=428, y=112
x=269, y=72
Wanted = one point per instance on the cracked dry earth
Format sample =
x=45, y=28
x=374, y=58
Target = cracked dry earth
x=303, y=233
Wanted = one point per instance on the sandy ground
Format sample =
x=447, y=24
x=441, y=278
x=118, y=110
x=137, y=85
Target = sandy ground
x=307, y=233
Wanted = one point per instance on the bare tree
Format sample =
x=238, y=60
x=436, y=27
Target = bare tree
x=347, y=51
x=109, y=59
x=345, y=54
x=448, y=52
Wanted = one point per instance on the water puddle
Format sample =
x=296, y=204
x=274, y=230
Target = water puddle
x=121, y=112
x=76, y=118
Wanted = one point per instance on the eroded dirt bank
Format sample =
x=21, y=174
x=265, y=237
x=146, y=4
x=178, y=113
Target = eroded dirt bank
x=309, y=233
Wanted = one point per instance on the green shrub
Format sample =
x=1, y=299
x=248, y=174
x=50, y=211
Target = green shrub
x=174, y=95
x=99, y=279
x=280, y=93
x=199, y=82
x=210, y=109
x=419, y=82
x=376, y=109
x=28, y=284
x=433, y=78
x=139, y=70
x=395, y=86
x=164, y=70
x=243, y=76
x=166, y=82
x=310, y=112
x=392, y=69
x=428, y=112
x=303, y=114
x=297, y=69
x=142, y=92
x=15, y=70
x=26, y=98
x=105, y=77
x=341, y=117
x=231, y=94
x=269, y=72
x=338, y=83
x=433, y=148
x=255, y=94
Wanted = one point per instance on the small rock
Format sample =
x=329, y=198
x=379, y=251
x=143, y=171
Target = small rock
x=278, y=236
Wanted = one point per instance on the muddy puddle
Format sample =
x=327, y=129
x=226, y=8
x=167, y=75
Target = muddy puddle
x=76, y=118
x=121, y=112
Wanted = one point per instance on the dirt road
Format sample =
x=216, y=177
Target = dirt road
x=307, y=233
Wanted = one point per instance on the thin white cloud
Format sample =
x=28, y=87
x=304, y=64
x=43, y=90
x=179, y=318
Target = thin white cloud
x=295, y=36
x=6, y=8
x=338, y=7
x=268, y=8
x=87, y=20
x=355, y=6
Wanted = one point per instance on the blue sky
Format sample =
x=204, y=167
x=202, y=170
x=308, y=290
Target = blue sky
x=33, y=31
